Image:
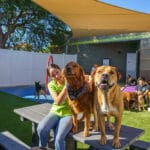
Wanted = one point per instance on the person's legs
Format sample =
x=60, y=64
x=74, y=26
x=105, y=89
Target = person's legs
x=63, y=128
x=44, y=128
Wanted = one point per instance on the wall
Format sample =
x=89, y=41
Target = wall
x=145, y=59
x=24, y=68
x=116, y=52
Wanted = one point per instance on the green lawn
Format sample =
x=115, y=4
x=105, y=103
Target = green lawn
x=10, y=121
x=138, y=120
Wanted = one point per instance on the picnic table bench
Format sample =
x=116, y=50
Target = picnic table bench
x=35, y=114
x=9, y=142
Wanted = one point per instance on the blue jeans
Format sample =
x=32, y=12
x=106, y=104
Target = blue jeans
x=61, y=126
x=146, y=99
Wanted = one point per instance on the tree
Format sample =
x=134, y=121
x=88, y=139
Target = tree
x=22, y=21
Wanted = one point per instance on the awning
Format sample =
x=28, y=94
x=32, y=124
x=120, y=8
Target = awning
x=88, y=18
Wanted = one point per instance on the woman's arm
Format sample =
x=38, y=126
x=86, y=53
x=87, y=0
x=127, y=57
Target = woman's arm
x=59, y=98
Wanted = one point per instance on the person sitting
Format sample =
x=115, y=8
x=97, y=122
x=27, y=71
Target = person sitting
x=142, y=90
x=60, y=117
x=131, y=81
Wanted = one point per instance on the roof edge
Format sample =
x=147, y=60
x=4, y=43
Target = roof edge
x=110, y=39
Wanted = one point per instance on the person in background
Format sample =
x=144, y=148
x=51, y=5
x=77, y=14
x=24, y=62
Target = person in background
x=59, y=118
x=131, y=81
x=142, y=90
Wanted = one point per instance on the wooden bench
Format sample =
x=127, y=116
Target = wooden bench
x=36, y=113
x=128, y=135
x=9, y=142
x=140, y=145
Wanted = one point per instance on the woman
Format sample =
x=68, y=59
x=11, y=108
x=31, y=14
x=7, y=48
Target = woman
x=59, y=117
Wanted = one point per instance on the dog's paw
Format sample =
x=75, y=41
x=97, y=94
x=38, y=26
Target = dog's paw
x=116, y=143
x=103, y=140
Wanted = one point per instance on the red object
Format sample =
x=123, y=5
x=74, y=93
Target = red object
x=49, y=61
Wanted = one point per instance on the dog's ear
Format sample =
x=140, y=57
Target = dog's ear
x=63, y=72
x=93, y=72
x=118, y=74
x=81, y=71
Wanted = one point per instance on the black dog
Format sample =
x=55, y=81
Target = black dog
x=39, y=90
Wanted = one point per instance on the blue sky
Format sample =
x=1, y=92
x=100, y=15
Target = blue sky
x=137, y=5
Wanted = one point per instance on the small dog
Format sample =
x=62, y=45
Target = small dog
x=39, y=90
x=109, y=98
x=80, y=95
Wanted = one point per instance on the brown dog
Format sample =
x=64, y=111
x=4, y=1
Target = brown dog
x=80, y=94
x=130, y=99
x=108, y=95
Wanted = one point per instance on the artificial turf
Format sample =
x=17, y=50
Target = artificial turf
x=11, y=122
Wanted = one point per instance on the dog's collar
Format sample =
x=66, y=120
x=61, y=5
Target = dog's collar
x=74, y=94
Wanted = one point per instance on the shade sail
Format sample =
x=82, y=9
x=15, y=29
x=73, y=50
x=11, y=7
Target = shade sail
x=93, y=18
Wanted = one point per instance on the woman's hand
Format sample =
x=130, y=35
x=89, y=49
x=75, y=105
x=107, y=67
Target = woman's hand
x=59, y=98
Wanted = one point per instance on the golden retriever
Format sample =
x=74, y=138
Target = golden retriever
x=80, y=94
x=109, y=98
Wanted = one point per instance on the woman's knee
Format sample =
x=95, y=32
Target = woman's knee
x=47, y=123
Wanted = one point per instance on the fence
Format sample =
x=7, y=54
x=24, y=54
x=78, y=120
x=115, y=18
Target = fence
x=24, y=68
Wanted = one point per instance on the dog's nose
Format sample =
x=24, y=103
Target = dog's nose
x=105, y=75
x=68, y=69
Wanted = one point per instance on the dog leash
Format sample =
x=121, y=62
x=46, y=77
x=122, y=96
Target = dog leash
x=49, y=61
